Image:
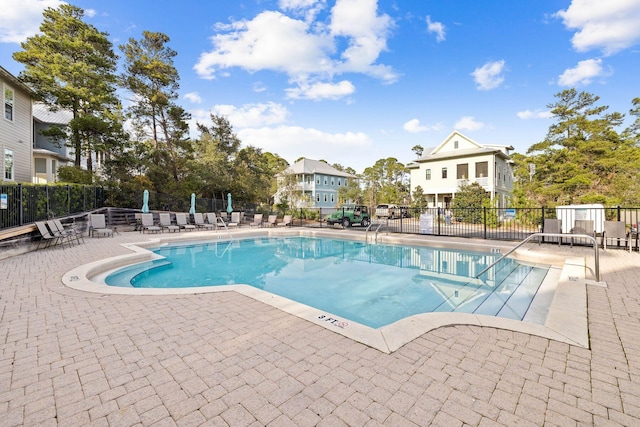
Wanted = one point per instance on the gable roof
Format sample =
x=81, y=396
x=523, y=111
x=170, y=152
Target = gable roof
x=434, y=154
x=310, y=167
x=14, y=80
x=452, y=135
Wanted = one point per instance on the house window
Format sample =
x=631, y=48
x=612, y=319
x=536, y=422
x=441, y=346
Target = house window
x=54, y=169
x=325, y=197
x=317, y=197
x=482, y=169
x=463, y=171
x=333, y=198
x=40, y=165
x=8, y=164
x=444, y=173
x=333, y=183
x=318, y=180
x=325, y=182
x=427, y=174
x=455, y=144
x=339, y=182
x=8, y=103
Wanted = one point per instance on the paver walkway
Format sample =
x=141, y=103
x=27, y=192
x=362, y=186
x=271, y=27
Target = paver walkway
x=70, y=358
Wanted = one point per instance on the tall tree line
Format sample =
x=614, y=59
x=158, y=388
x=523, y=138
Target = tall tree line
x=71, y=65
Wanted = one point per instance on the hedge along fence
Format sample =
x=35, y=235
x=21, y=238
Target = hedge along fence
x=27, y=203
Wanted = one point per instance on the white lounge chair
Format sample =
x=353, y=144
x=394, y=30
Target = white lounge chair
x=181, y=220
x=257, y=221
x=235, y=220
x=148, y=225
x=99, y=226
x=212, y=219
x=198, y=218
x=165, y=223
x=271, y=221
x=286, y=221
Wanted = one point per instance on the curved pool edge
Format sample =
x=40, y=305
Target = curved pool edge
x=559, y=309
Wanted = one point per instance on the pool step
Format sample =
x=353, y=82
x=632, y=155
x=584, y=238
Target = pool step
x=127, y=275
x=510, y=296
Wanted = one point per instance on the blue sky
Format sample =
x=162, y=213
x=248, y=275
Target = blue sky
x=354, y=81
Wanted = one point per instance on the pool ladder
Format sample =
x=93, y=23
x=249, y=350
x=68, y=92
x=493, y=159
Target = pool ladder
x=596, y=258
x=224, y=224
x=366, y=233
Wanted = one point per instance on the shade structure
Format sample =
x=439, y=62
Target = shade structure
x=229, y=207
x=145, y=201
x=192, y=210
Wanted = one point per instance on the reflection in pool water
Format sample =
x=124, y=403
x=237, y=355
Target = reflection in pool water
x=371, y=284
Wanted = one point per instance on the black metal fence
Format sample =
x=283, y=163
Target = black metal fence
x=513, y=224
x=24, y=204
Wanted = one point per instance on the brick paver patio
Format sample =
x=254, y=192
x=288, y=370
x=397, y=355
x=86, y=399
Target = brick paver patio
x=71, y=358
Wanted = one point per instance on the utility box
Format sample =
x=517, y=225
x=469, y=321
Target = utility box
x=570, y=213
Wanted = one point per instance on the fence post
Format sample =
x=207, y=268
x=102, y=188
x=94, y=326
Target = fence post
x=21, y=203
x=484, y=214
x=618, y=209
x=542, y=223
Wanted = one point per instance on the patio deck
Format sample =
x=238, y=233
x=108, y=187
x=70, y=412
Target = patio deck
x=75, y=358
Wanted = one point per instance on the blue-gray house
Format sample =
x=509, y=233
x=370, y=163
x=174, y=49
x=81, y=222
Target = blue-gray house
x=312, y=183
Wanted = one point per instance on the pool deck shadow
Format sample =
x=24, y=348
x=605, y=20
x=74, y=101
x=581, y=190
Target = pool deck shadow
x=80, y=358
x=558, y=312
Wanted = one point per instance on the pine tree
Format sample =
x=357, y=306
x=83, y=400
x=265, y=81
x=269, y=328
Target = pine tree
x=71, y=65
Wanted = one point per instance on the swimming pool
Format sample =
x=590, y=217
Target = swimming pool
x=374, y=285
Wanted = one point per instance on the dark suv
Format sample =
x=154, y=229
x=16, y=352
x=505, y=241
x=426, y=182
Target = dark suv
x=348, y=215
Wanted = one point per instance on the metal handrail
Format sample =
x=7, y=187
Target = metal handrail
x=219, y=219
x=366, y=232
x=572, y=236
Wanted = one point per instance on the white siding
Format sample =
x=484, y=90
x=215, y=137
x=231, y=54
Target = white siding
x=16, y=135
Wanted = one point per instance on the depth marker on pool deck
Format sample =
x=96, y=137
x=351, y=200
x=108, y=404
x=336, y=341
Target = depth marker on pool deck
x=336, y=322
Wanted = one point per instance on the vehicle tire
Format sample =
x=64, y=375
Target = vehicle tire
x=365, y=222
x=346, y=223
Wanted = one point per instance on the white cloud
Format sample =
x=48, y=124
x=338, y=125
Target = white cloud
x=292, y=142
x=90, y=13
x=259, y=87
x=319, y=91
x=611, y=25
x=489, y=76
x=308, y=51
x=536, y=114
x=193, y=97
x=366, y=32
x=468, y=123
x=252, y=115
x=583, y=73
x=414, y=126
x=21, y=19
x=436, y=27
x=307, y=8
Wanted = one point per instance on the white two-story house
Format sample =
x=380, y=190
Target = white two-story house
x=311, y=183
x=16, y=129
x=458, y=159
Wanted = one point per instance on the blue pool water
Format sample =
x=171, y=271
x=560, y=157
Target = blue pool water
x=371, y=284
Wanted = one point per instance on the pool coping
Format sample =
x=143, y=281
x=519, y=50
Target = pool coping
x=558, y=312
